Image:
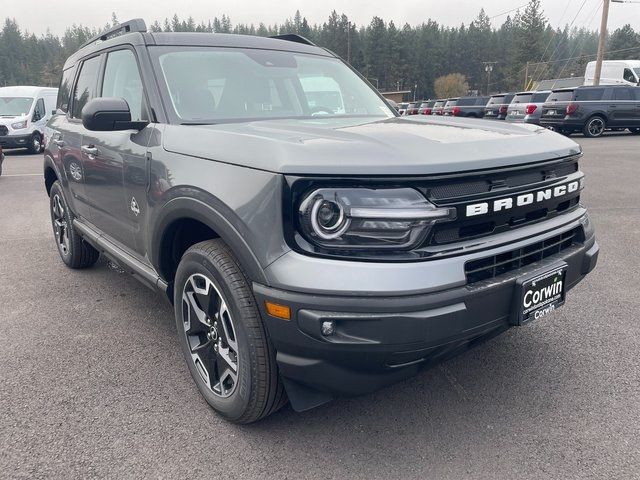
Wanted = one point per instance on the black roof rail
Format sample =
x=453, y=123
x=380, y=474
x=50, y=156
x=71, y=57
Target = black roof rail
x=294, y=37
x=135, y=25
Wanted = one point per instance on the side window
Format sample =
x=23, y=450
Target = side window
x=621, y=94
x=85, y=86
x=629, y=76
x=38, y=111
x=122, y=80
x=64, y=91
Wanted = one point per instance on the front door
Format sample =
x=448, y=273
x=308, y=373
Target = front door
x=623, y=108
x=108, y=155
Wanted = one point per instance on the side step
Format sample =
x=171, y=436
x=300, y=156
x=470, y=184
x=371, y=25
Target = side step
x=128, y=262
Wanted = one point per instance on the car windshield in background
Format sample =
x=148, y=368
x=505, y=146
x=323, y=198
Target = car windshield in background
x=214, y=85
x=561, y=96
x=522, y=98
x=539, y=97
x=15, y=106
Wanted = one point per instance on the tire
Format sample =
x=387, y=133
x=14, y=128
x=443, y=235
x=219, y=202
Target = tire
x=594, y=127
x=635, y=131
x=35, y=143
x=223, y=338
x=74, y=251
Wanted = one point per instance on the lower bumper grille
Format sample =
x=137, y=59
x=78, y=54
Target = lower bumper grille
x=491, y=267
x=3, y=130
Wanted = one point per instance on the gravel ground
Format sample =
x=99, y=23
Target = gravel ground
x=93, y=384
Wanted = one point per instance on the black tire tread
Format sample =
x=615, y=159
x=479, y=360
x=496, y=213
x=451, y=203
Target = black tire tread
x=268, y=394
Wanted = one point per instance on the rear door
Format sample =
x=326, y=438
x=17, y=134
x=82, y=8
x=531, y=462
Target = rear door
x=115, y=159
x=623, y=108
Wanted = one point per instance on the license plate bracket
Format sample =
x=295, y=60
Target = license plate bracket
x=540, y=293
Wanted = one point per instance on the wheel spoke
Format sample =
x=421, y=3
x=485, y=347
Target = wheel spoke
x=197, y=320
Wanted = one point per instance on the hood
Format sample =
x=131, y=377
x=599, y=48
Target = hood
x=396, y=146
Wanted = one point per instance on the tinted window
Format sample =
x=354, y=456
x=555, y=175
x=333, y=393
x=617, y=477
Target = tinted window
x=38, y=111
x=496, y=100
x=622, y=94
x=86, y=85
x=629, y=76
x=122, y=80
x=64, y=91
x=508, y=98
x=589, y=94
x=539, y=97
x=451, y=103
x=221, y=84
x=522, y=98
x=463, y=102
x=560, y=96
x=482, y=101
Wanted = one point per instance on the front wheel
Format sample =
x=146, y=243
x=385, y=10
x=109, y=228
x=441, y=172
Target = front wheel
x=74, y=251
x=35, y=143
x=223, y=338
x=594, y=127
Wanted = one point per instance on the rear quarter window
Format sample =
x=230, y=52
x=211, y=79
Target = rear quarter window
x=589, y=94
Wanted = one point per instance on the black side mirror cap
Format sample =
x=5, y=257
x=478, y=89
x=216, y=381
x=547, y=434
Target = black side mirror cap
x=109, y=114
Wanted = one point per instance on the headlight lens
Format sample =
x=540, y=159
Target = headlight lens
x=19, y=125
x=368, y=218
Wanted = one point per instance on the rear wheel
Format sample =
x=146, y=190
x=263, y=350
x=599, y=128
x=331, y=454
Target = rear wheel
x=74, y=251
x=223, y=338
x=35, y=143
x=594, y=127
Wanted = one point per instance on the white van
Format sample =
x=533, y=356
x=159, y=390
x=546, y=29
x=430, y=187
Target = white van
x=625, y=72
x=24, y=112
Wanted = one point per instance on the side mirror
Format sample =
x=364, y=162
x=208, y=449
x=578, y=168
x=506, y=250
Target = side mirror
x=107, y=114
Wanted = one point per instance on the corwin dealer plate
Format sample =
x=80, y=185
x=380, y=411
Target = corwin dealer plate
x=541, y=294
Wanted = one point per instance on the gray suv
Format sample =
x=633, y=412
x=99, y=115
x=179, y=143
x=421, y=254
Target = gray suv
x=526, y=107
x=313, y=243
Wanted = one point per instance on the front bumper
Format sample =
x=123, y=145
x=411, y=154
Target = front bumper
x=381, y=339
x=14, y=141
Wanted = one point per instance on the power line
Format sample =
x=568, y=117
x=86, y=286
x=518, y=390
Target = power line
x=508, y=11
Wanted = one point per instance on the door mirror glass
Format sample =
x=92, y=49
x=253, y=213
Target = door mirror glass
x=108, y=114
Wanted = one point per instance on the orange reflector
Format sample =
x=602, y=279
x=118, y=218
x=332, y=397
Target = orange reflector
x=278, y=311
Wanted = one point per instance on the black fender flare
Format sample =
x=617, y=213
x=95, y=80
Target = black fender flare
x=49, y=163
x=196, y=209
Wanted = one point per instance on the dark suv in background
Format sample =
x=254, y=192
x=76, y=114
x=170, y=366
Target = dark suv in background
x=592, y=109
x=290, y=215
x=526, y=107
x=466, y=107
x=497, y=106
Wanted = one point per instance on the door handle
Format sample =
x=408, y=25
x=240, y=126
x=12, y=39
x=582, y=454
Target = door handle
x=89, y=150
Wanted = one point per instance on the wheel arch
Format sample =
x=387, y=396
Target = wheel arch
x=183, y=222
x=51, y=173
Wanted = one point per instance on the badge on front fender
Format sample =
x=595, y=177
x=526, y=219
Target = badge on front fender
x=539, y=294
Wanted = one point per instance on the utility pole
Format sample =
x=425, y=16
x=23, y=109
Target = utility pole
x=349, y=43
x=526, y=76
x=488, y=67
x=601, y=41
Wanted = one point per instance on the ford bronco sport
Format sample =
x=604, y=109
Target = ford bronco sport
x=310, y=247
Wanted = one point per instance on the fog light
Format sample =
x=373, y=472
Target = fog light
x=328, y=327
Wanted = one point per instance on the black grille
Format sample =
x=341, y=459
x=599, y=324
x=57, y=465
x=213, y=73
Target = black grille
x=463, y=188
x=491, y=267
x=3, y=130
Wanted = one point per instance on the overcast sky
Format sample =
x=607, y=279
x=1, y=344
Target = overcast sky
x=39, y=15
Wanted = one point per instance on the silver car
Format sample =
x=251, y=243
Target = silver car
x=526, y=107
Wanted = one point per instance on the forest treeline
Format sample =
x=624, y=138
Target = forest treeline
x=523, y=47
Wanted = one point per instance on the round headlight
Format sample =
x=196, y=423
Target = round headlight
x=328, y=219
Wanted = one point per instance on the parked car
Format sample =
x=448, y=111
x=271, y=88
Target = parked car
x=402, y=107
x=614, y=72
x=497, y=106
x=1, y=159
x=24, y=112
x=526, y=107
x=449, y=104
x=438, y=107
x=413, y=108
x=592, y=110
x=466, y=107
x=346, y=262
x=426, y=108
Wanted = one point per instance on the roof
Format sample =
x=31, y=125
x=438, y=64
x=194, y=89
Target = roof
x=26, y=90
x=134, y=33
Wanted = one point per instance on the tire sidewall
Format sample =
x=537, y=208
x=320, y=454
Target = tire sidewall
x=588, y=133
x=56, y=189
x=236, y=404
x=32, y=146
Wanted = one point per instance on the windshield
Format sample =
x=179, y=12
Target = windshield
x=214, y=85
x=15, y=106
